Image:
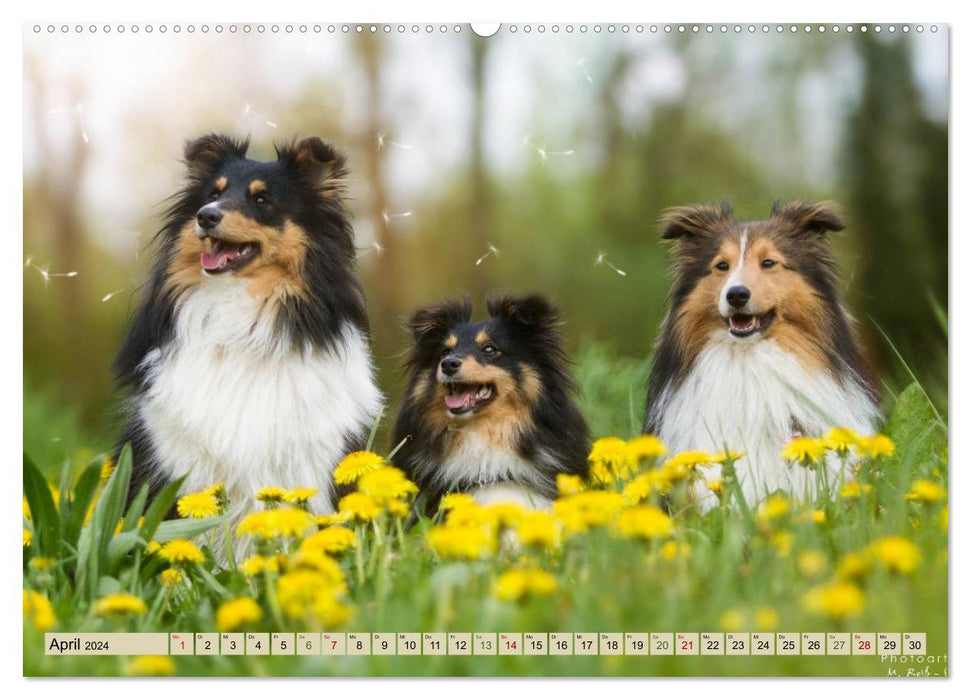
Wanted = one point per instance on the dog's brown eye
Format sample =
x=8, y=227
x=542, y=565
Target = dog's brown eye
x=768, y=262
x=260, y=199
x=723, y=266
x=490, y=349
x=214, y=194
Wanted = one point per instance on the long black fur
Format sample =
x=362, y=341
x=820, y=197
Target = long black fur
x=307, y=179
x=556, y=439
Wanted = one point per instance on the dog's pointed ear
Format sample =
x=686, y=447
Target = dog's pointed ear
x=317, y=163
x=203, y=155
x=807, y=217
x=699, y=220
x=432, y=323
x=533, y=311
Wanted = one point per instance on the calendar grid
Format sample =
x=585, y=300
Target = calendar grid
x=488, y=644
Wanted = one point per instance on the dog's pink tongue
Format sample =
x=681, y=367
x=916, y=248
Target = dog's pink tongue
x=459, y=399
x=213, y=259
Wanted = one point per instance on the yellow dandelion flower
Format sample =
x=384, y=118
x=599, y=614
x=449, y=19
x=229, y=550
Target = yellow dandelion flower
x=41, y=563
x=331, y=540
x=472, y=515
x=355, y=465
x=852, y=566
x=896, y=553
x=455, y=500
x=684, y=465
x=854, y=489
x=640, y=487
x=360, y=506
x=672, y=550
x=330, y=572
x=299, y=592
x=766, y=619
x=732, y=620
x=587, y=509
x=716, y=486
x=170, y=577
x=28, y=537
x=338, y=518
x=505, y=514
x=277, y=522
x=568, y=484
x=38, y=609
x=648, y=447
x=927, y=491
x=813, y=515
x=806, y=451
x=385, y=484
x=237, y=613
x=198, y=505
x=27, y=510
x=841, y=440
x=726, y=456
x=107, y=467
x=517, y=584
x=812, y=563
x=329, y=611
x=150, y=666
x=782, y=542
x=944, y=518
x=610, y=459
x=272, y=495
x=538, y=528
x=462, y=541
x=646, y=522
x=397, y=508
x=119, y=604
x=256, y=565
x=773, y=508
x=152, y=547
x=874, y=446
x=300, y=496
x=836, y=600
x=181, y=552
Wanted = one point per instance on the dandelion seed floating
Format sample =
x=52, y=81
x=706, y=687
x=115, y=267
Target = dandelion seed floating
x=389, y=217
x=543, y=154
x=586, y=74
x=602, y=260
x=383, y=141
x=78, y=111
x=109, y=295
x=492, y=251
x=248, y=110
x=45, y=272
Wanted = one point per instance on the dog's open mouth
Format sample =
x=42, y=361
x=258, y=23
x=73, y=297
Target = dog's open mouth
x=467, y=398
x=744, y=325
x=224, y=256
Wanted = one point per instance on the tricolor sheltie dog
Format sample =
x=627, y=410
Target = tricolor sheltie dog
x=756, y=348
x=248, y=358
x=488, y=407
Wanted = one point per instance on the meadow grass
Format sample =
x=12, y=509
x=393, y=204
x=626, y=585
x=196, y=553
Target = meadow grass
x=870, y=558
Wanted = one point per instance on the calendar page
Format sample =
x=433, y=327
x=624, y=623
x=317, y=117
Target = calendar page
x=519, y=349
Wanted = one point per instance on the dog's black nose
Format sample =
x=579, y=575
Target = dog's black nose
x=450, y=365
x=209, y=217
x=738, y=296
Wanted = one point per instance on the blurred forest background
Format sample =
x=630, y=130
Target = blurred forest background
x=518, y=162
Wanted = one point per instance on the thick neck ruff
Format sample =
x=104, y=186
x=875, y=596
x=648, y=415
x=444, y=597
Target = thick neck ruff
x=230, y=399
x=754, y=396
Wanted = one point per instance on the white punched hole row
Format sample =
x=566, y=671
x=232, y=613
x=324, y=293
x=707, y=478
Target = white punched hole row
x=479, y=29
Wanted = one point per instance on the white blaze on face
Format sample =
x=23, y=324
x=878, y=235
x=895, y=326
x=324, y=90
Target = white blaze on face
x=734, y=277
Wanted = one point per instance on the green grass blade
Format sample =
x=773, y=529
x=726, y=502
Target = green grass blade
x=83, y=494
x=160, y=506
x=186, y=529
x=112, y=502
x=42, y=509
x=910, y=372
x=136, y=509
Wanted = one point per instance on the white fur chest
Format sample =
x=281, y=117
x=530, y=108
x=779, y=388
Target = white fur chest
x=501, y=475
x=748, y=396
x=228, y=401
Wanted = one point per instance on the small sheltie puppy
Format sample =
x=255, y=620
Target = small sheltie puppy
x=248, y=358
x=488, y=407
x=756, y=348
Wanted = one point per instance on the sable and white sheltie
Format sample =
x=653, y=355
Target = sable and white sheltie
x=756, y=348
x=248, y=358
x=489, y=406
